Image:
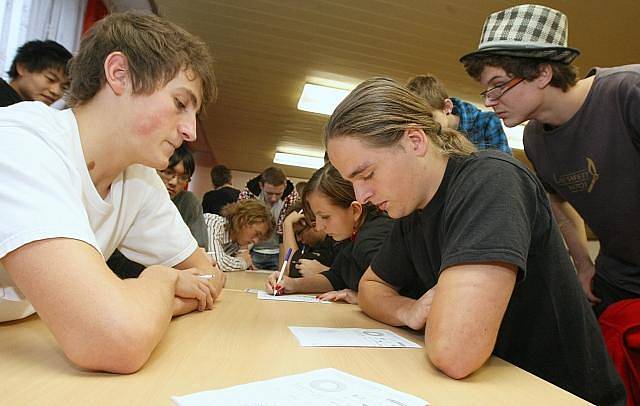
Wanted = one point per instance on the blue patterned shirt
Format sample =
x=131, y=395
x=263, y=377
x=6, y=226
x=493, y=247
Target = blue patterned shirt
x=482, y=128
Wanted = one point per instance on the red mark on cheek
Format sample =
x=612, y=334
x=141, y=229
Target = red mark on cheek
x=149, y=125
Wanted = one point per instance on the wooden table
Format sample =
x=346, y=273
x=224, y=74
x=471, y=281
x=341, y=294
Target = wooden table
x=241, y=340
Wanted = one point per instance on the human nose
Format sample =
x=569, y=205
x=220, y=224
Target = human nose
x=320, y=226
x=56, y=90
x=187, y=128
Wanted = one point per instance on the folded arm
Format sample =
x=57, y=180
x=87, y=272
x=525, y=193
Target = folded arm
x=466, y=314
x=101, y=322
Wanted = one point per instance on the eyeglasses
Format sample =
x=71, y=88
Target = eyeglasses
x=168, y=174
x=497, y=92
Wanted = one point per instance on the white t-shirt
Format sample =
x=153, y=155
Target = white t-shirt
x=47, y=192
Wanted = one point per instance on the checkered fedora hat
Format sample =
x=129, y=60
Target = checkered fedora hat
x=529, y=31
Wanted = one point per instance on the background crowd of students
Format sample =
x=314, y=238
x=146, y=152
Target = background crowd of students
x=420, y=215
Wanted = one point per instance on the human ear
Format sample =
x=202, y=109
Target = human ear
x=416, y=140
x=356, y=209
x=116, y=68
x=448, y=106
x=545, y=74
x=21, y=69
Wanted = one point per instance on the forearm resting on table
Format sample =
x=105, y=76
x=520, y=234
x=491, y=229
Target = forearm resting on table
x=382, y=302
x=466, y=314
x=200, y=261
x=311, y=284
x=101, y=322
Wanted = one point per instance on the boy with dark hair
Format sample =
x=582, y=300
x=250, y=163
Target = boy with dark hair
x=583, y=139
x=82, y=183
x=222, y=194
x=279, y=194
x=482, y=128
x=38, y=73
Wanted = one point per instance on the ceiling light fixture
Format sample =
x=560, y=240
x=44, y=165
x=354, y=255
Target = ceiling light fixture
x=321, y=99
x=304, y=161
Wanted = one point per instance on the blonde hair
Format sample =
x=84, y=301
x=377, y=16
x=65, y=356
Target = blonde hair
x=156, y=51
x=379, y=110
x=247, y=212
x=429, y=88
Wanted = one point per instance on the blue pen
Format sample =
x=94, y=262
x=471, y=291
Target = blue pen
x=284, y=266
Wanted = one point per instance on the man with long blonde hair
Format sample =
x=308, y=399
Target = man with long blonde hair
x=475, y=257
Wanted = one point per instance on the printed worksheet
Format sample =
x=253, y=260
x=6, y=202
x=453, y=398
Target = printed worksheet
x=350, y=337
x=262, y=295
x=10, y=293
x=322, y=387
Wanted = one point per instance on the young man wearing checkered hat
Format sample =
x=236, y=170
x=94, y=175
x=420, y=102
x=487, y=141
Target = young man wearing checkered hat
x=583, y=139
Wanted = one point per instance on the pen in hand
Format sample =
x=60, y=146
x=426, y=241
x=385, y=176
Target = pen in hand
x=282, y=269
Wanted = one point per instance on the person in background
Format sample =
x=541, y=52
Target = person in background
x=482, y=128
x=329, y=202
x=88, y=175
x=277, y=192
x=300, y=187
x=313, y=250
x=583, y=139
x=240, y=224
x=222, y=194
x=38, y=73
x=175, y=177
x=475, y=258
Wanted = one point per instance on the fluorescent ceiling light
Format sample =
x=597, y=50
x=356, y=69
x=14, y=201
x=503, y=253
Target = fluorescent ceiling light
x=320, y=99
x=304, y=161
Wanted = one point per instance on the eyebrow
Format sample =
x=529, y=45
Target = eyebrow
x=497, y=77
x=54, y=74
x=359, y=170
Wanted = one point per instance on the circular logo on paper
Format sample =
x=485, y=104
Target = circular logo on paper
x=373, y=333
x=326, y=385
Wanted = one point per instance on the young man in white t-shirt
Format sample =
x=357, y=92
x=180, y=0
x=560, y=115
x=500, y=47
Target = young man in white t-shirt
x=79, y=183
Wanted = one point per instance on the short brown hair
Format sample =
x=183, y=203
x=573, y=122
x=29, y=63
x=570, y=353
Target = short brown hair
x=156, y=51
x=247, y=212
x=220, y=175
x=429, y=88
x=564, y=75
x=379, y=110
x=273, y=176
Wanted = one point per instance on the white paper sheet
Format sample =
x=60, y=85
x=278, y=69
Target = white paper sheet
x=322, y=387
x=10, y=293
x=259, y=271
x=350, y=337
x=262, y=295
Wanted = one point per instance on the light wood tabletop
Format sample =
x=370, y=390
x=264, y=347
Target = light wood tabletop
x=243, y=340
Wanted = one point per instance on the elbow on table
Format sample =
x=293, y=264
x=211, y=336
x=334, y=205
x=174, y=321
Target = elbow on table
x=453, y=362
x=121, y=350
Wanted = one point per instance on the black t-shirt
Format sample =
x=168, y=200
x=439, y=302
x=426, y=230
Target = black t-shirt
x=593, y=162
x=356, y=254
x=8, y=96
x=489, y=207
x=214, y=200
x=324, y=252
